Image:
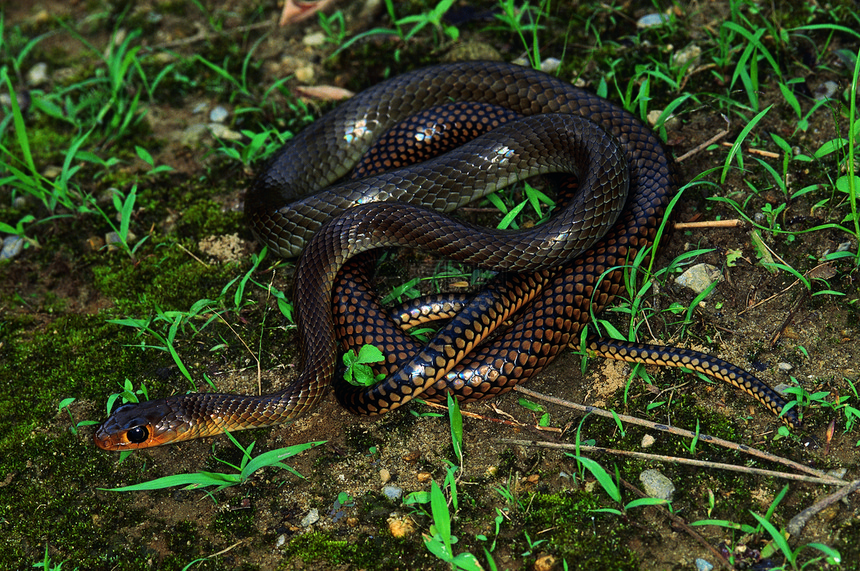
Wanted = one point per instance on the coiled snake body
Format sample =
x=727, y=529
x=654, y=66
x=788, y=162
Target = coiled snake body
x=557, y=266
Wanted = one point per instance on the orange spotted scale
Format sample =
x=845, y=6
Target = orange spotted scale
x=294, y=206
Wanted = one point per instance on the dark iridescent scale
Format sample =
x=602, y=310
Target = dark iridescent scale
x=430, y=133
x=552, y=137
x=540, y=331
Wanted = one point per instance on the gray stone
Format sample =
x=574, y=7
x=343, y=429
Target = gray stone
x=312, y=517
x=651, y=20
x=656, y=485
x=393, y=493
x=689, y=54
x=12, y=246
x=699, y=277
x=826, y=90
x=37, y=75
x=219, y=114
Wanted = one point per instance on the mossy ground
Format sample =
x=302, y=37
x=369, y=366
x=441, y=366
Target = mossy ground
x=56, y=340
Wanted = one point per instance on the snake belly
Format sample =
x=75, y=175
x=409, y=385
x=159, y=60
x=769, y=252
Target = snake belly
x=284, y=218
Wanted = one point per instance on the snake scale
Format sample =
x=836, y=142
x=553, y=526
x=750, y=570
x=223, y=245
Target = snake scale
x=551, y=272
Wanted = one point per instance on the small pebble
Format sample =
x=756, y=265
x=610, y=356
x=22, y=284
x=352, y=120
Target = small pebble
x=12, y=246
x=393, y=493
x=784, y=367
x=655, y=114
x=550, y=65
x=656, y=485
x=44, y=16
x=314, y=40
x=193, y=135
x=219, y=114
x=703, y=565
x=647, y=441
x=826, y=90
x=200, y=108
x=781, y=388
x=52, y=171
x=651, y=20
x=544, y=563
x=114, y=242
x=400, y=526
x=688, y=54
x=472, y=50
x=305, y=74
x=385, y=476
x=523, y=61
x=312, y=517
x=222, y=132
x=424, y=477
x=37, y=75
x=699, y=277
x=837, y=473
x=282, y=539
x=112, y=239
x=95, y=243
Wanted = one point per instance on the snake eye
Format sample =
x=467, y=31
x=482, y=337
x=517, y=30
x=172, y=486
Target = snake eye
x=137, y=435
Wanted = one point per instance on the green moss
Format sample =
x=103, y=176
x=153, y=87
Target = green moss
x=236, y=524
x=207, y=218
x=76, y=519
x=71, y=357
x=166, y=278
x=508, y=462
x=582, y=538
x=379, y=552
x=848, y=546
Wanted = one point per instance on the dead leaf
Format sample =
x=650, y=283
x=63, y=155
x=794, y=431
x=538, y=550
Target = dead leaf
x=323, y=92
x=297, y=10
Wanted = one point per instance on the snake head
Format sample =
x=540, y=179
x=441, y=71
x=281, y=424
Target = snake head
x=140, y=425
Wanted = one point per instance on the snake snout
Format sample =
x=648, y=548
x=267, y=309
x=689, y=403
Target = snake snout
x=129, y=427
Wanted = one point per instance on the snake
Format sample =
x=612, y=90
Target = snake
x=558, y=274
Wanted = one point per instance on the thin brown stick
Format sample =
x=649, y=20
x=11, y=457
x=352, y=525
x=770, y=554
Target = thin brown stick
x=202, y=35
x=676, y=460
x=251, y=353
x=821, y=270
x=680, y=522
x=191, y=254
x=798, y=522
x=710, y=141
x=506, y=422
x=692, y=72
x=226, y=549
x=709, y=224
x=762, y=152
x=680, y=432
x=774, y=339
